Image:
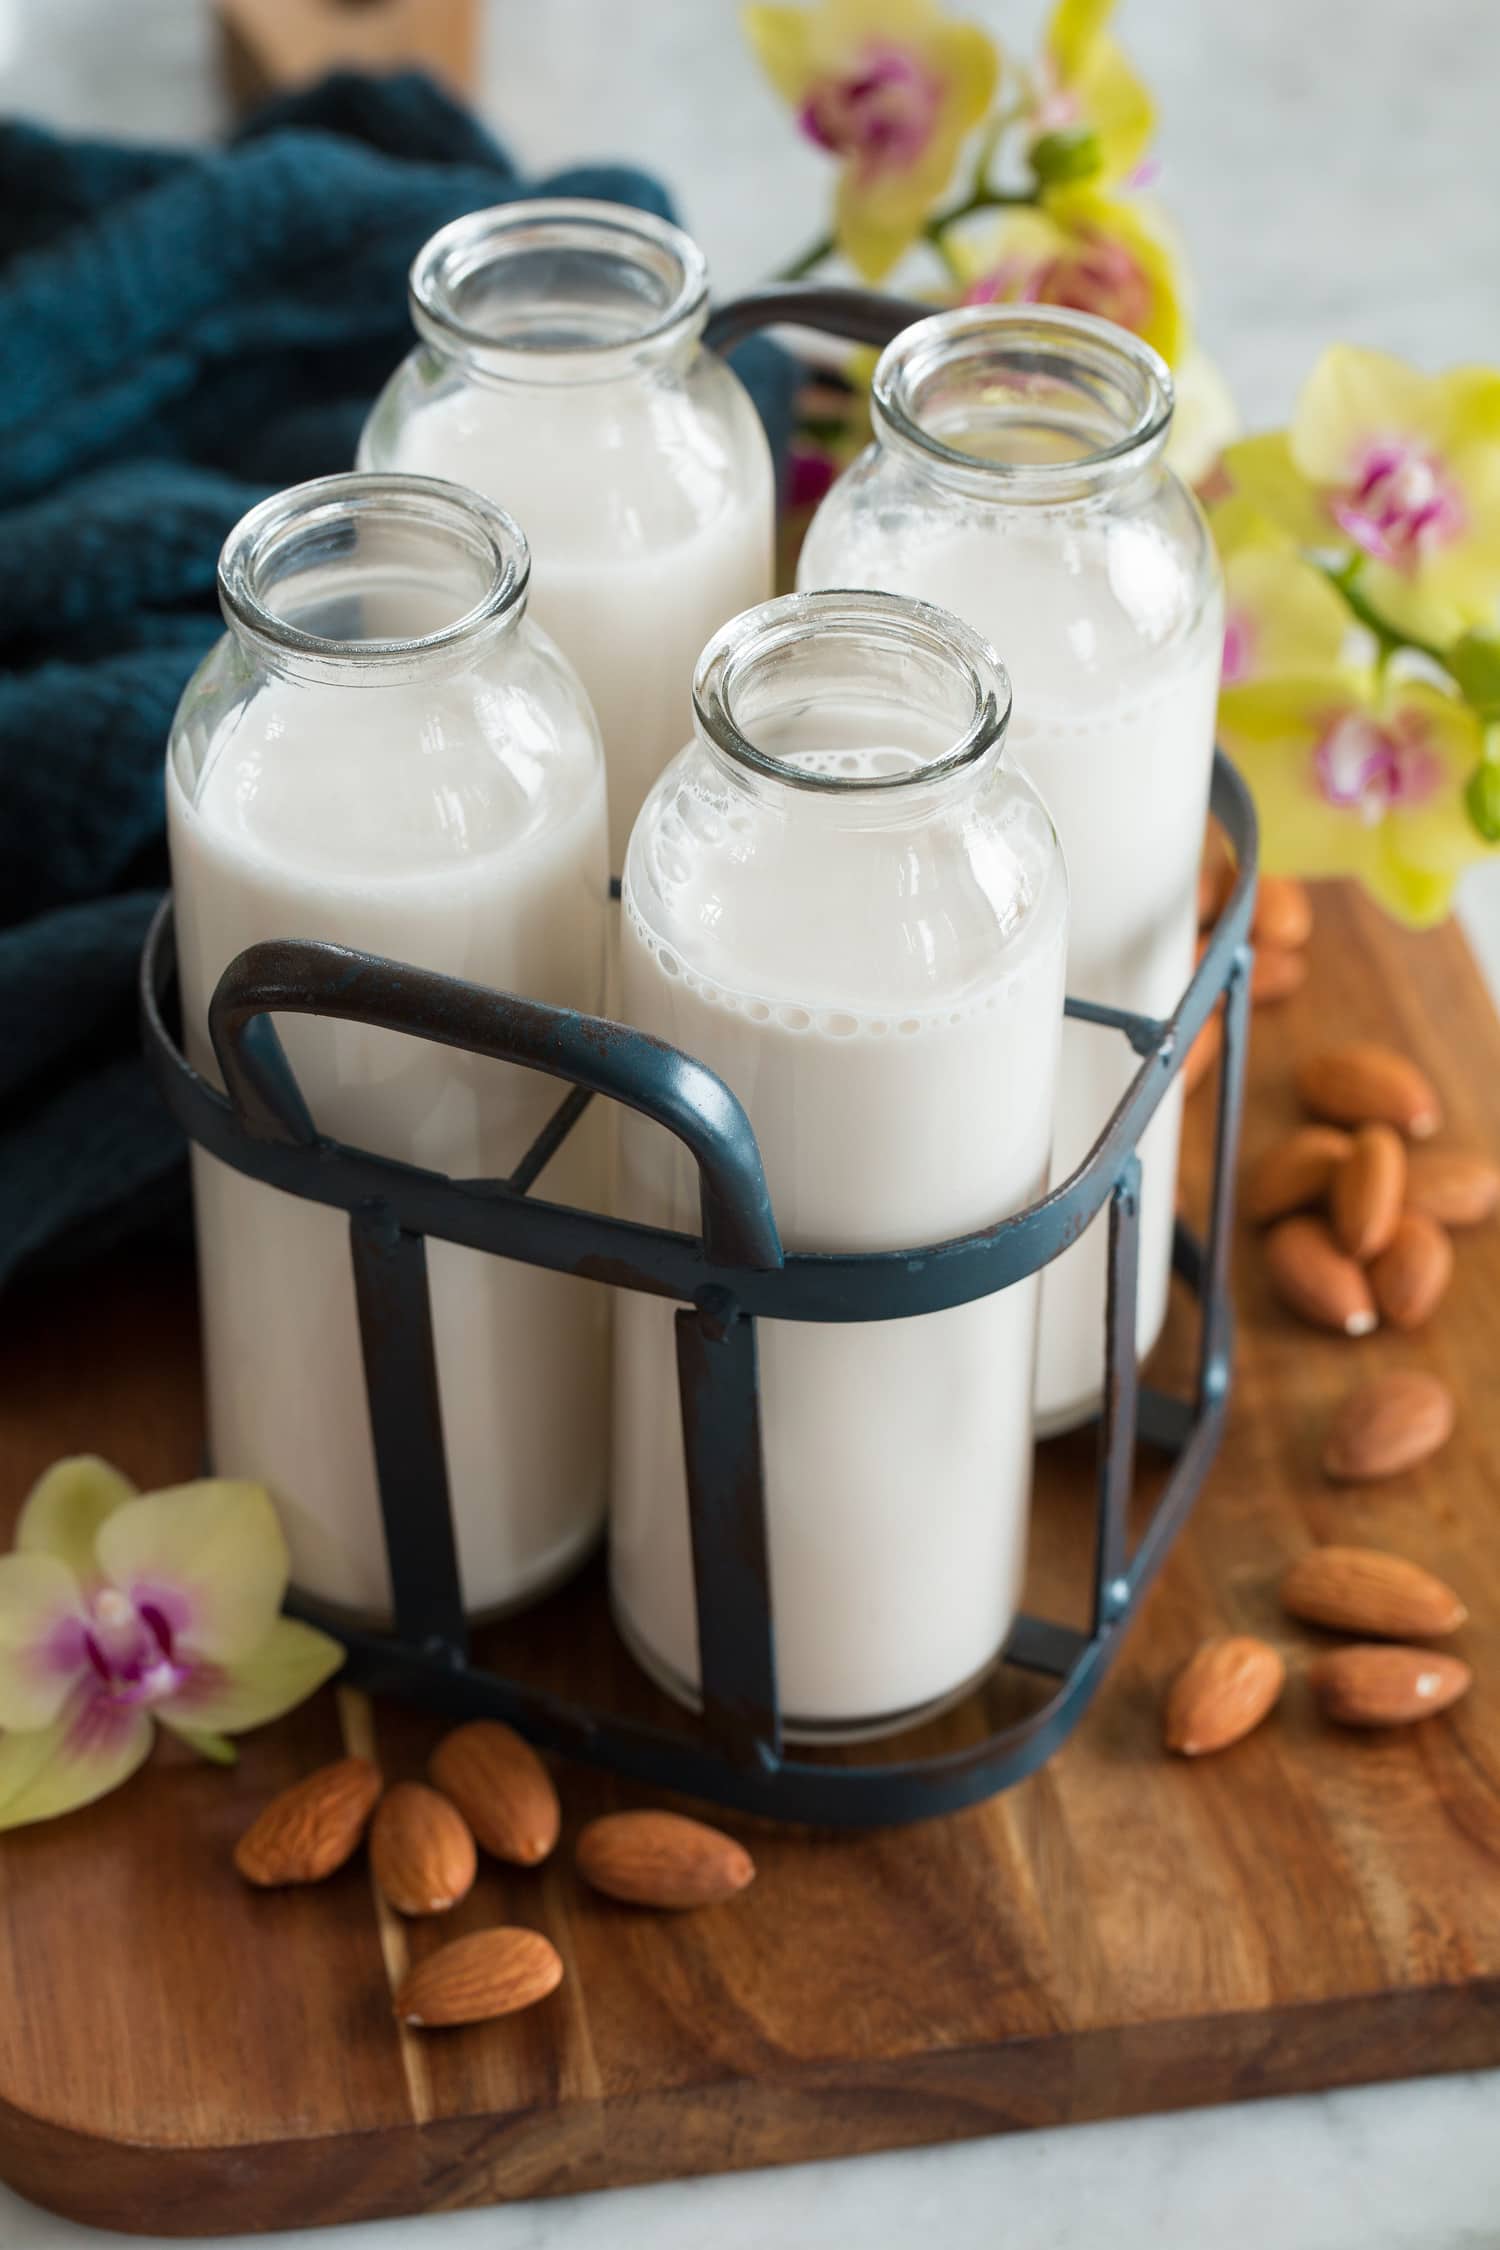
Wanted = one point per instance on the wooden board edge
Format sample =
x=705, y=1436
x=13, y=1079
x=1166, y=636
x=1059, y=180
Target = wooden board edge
x=814, y=2113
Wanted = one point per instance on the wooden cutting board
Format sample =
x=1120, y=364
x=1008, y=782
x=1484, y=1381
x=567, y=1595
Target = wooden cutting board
x=1121, y=1933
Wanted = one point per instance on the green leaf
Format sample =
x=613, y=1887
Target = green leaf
x=1482, y=800
x=1072, y=153
x=1474, y=662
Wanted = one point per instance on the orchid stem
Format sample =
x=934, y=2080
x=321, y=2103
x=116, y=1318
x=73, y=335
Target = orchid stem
x=1346, y=578
x=981, y=198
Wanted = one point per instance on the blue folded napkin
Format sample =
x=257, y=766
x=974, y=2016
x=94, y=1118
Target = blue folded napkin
x=179, y=333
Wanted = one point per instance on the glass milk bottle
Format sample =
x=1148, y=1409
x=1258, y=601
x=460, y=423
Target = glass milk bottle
x=1017, y=478
x=561, y=371
x=385, y=752
x=844, y=899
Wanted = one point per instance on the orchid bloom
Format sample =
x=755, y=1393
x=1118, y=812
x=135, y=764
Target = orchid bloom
x=1359, y=773
x=889, y=87
x=1087, y=85
x=1397, y=474
x=1093, y=252
x=118, y=1610
x=1281, y=615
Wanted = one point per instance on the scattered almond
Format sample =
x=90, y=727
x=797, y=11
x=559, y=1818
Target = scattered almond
x=1456, y=1190
x=502, y=1789
x=1283, y=912
x=1412, y=1273
x=662, y=1859
x=1367, y=1193
x=1362, y=1590
x=1315, y=1278
x=1203, y=1053
x=1276, y=973
x=489, y=1973
x=311, y=1828
x=1225, y=1688
x=421, y=1851
x=1362, y=1083
x=1372, y=1685
x=1296, y=1173
x=1388, y=1425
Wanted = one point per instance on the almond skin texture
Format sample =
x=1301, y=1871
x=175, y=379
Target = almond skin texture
x=1412, y=1273
x=502, y=1789
x=1215, y=879
x=489, y=1973
x=311, y=1828
x=1456, y=1190
x=1387, y=1426
x=1276, y=973
x=1367, y=1193
x=1225, y=1688
x=1362, y=1590
x=1297, y=1173
x=1365, y=1084
x=1372, y=1685
x=1283, y=912
x=1314, y=1277
x=1203, y=1053
x=662, y=1859
x=421, y=1852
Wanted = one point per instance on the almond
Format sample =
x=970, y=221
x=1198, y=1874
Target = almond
x=1225, y=1688
x=489, y=1973
x=1387, y=1426
x=1203, y=1053
x=1313, y=1276
x=502, y=1789
x=1276, y=973
x=1365, y=1084
x=1362, y=1590
x=1374, y=1685
x=1295, y=1173
x=1215, y=877
x=421, y=1851
x=311, y=1828
x=1456, y=1190
x=662, y=1859
x=1412, y=1273
x=1367, y=1193
x=1283, y=912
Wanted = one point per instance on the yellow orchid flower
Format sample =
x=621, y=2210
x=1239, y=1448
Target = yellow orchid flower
x=117, y=1610
x=1087, y=83
x=1097, y=253
x=1281, y=616
x=889, y=87
x=1204, y=420
x=1359, y=774
x=1398, y=473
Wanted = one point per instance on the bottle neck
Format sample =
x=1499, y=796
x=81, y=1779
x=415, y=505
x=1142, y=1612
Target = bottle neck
x=560, y=292
x=363, y=580
x=861, y=709
x=1024, y=405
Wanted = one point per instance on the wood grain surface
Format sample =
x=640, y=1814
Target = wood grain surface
x=1123, y=1932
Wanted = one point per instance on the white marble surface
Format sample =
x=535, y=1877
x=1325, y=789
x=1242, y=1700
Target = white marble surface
x=1335, y=165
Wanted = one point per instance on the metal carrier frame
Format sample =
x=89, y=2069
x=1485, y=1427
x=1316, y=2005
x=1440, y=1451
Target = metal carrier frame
x=731, y=1274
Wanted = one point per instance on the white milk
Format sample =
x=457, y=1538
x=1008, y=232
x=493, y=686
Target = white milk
x=895, y=1053
x=374, y=818
x=644, y=538
x=1118, y=737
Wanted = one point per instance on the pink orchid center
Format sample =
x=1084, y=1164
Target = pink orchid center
x=1239, y=648
x=129, y=1647
x=1092, y=275
x=1372, y=769
x=1401, y=504
x=881, y=114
